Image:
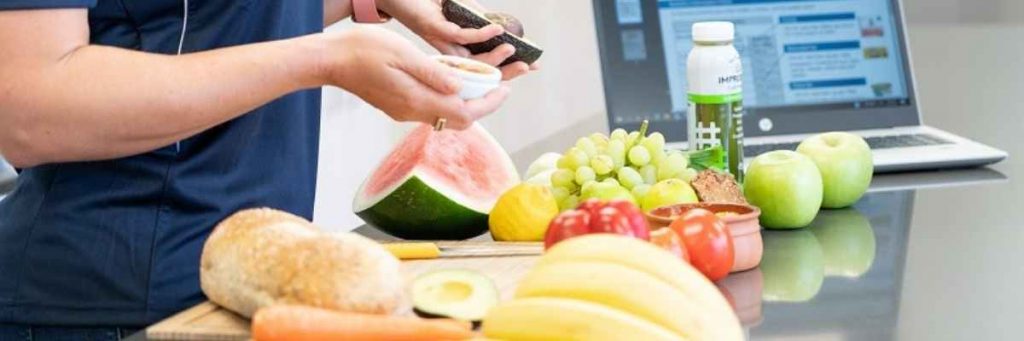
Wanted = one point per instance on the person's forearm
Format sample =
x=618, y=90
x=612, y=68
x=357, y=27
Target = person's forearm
x=336, y=10
x=102, y=102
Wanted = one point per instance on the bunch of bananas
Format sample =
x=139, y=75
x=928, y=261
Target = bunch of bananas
x=608, y=287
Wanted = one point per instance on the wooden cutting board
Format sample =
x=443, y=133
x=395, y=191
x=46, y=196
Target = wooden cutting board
x=208, y=321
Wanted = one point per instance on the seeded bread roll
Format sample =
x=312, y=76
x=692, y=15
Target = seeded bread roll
x=261, y=257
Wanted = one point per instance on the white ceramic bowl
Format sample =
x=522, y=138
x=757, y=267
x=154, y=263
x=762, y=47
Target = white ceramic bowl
x=476, y=83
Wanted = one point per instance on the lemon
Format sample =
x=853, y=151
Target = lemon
x=522, y=213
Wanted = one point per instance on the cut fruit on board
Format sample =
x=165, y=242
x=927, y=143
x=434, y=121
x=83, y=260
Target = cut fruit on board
x=209, y=321
x=460, y=294
x=437, y=185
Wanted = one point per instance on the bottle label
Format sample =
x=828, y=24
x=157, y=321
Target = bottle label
x=717, y=120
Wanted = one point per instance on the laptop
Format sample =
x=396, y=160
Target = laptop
x=810, y=66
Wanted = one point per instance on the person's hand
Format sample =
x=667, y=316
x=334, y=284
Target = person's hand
x=424, y=18
x=391, y=74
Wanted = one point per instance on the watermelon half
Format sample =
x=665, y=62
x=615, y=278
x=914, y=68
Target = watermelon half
x=437, y=185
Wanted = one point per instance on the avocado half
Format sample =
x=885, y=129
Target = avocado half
x=466, y=17
x=462, y=295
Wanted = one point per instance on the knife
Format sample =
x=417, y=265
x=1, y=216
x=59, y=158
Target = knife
x=434, y=250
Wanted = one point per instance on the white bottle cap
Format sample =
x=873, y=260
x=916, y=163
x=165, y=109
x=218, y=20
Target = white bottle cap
x=714, y=31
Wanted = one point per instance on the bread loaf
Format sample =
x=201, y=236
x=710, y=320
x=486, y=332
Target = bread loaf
x=261, y=257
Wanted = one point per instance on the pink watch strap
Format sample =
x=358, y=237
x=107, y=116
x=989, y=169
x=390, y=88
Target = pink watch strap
x=365, y=11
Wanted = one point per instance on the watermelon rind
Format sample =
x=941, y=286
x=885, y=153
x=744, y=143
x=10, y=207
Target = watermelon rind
x=422, y=207
x=436, y=216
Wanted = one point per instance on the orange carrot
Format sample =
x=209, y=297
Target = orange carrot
x=301, y=323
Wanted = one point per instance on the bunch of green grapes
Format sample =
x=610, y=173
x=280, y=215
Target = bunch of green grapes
x=615, y=166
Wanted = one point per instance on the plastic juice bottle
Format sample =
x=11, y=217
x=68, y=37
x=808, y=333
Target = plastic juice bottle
x=714, y=74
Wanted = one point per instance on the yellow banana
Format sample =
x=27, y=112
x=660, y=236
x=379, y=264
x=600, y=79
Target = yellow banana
x=619, y=287
x=721, y=321
x=568, y=320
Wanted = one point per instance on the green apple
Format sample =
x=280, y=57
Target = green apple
x=668, y=192
x=847, y=240
x=786, y=186
x=606, y=191
x=845, y=163
x=793, y=266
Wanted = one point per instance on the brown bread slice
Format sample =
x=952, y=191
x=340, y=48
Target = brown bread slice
x=718, y=187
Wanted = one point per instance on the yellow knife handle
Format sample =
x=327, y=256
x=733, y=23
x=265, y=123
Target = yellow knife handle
x=406, y=251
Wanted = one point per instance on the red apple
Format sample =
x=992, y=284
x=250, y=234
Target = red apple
x=595, y=216
x=636, y=218
x=567, y=225
x=610, y=220
x=591, y=206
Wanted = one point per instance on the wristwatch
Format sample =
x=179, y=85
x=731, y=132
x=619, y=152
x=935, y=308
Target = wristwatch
x=366, y=12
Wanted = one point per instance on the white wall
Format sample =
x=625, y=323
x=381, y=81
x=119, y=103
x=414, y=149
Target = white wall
x=968, y=11
x=354, y=136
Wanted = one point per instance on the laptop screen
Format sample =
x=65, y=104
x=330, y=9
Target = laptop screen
x=799, y=56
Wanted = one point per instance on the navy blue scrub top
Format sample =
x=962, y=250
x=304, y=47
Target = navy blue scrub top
x=118, y=242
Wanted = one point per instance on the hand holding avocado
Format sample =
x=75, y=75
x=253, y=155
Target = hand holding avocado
x=467, y=16
x=425, y=18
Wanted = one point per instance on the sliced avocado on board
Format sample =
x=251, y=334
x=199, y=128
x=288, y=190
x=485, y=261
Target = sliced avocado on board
x=466, y=17
x=463, y=295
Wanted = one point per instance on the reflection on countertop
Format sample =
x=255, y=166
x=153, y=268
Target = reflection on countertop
x=839, y=243
x=743, y=290
x=840, y=276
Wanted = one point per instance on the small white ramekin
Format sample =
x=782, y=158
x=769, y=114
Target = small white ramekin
x=474, y=85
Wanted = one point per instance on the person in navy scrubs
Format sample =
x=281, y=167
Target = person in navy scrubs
x=139, y=124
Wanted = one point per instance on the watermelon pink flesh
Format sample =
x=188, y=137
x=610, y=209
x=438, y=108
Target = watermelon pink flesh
x=465, y=162
x=437, y=185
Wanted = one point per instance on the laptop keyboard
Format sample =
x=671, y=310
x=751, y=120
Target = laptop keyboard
x=879, y=142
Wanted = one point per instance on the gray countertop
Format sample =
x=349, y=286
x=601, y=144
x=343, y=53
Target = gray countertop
x=962, y=264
